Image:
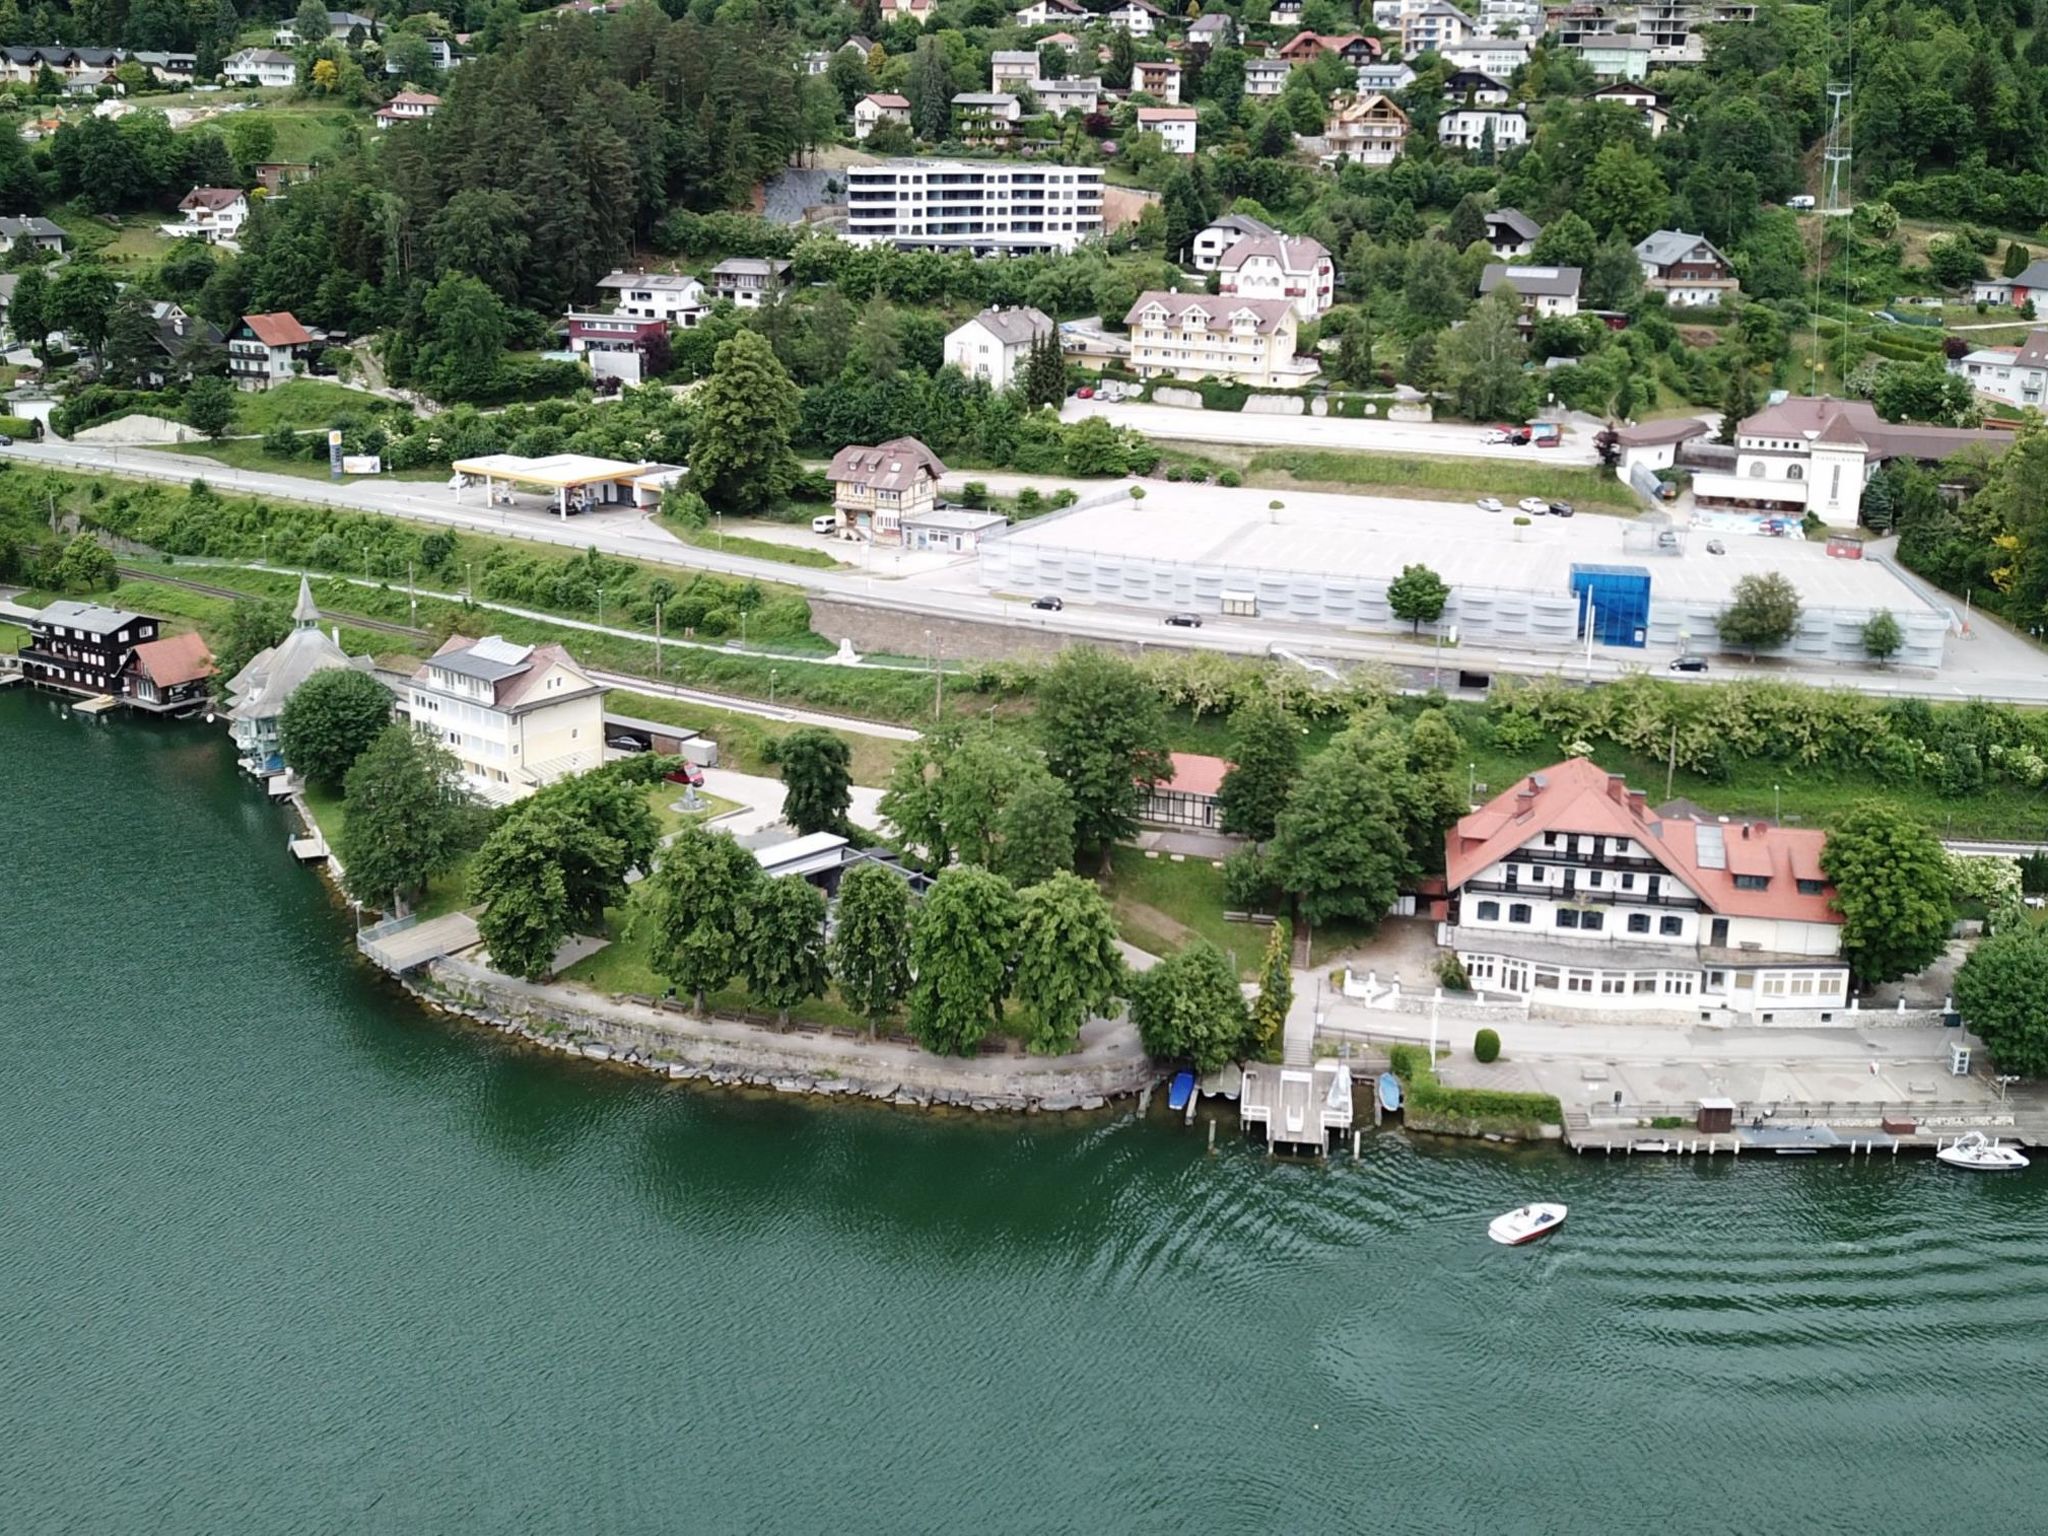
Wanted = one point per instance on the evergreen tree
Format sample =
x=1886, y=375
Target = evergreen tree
x=870, y=19
x=210, y=406
x=1123, y=58
x=28, y=316
x=1045, y=371
x=1467, y=223
x=1482, y=360
x=1276, y=994
x=871, y=942
x=1182, y=205
x=746, y=412
x=1738, y=399
x=1068, y=966
x=960, y=948
x=931, y=92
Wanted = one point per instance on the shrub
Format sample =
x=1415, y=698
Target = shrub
x=1230, y=479
x=1450, y=970
x=1486, y=1047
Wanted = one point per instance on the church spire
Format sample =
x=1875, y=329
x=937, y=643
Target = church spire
x=305, y=615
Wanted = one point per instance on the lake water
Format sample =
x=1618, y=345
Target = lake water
x=278, y=1252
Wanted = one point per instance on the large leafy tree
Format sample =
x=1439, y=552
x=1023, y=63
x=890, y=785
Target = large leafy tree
x=985, y=799
x=1893, y=889
x=1105, y=738
x=1340, y=848
x=817, y=779
x=746, y=411
x=329, y=720
x=250, y=628
x=518, y=877
x=1765, y=613
x=960, y=955
x=697, y=907
x=1418, y=595
x=408, y=816
x=1068, y=965
x=782, y=944
x=1265, y=750
x=870, y=953
x=1189, y=1006
x=2002, y=992
x=611, y=804
x=1482, y=359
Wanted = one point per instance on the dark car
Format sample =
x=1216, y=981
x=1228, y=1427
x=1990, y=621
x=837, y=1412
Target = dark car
x=1049, y=604
x=1689, y=664
x=1185, y=620
x=625, y=743
x=1716, y=547
x=1561, y=509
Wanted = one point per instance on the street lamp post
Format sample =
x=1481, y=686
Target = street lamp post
x=600, y=607
x=771, y=687
x=657, y=640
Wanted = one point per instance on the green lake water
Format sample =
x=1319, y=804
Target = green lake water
x=279, y=1253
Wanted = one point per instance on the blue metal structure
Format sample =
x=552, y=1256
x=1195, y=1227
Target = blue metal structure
x=1618, y=599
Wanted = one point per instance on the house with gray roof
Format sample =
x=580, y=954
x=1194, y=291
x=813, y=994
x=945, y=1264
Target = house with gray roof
x=876, y=490
x=995, y=344
x=1511, y=232
x=257, y=694
x=38, y=232
x=1545, y=292
x=1220, y=234
x=1687, y=269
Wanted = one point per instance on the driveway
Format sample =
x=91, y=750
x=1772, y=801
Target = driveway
x=760, y=800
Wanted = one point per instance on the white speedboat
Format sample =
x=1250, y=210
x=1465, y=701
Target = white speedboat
x=1981, y=1154
x=1525, y=1225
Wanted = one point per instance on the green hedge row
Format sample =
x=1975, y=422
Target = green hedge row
x=1465, y=1109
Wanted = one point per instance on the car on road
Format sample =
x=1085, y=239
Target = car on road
x=6, y=441
x=1184, y=620
x=1498, y=435
x=1489, y=504
x=1561, y=509
x=1689, y=664
x=1716, y=547
x=626, y=744
x=829, y=523
x=1535, y=506
x=1049, y=603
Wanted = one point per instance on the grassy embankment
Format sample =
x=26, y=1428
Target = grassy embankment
x=446, y=892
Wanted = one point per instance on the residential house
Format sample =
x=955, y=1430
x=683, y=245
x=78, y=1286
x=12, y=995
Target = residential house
x=914, y=10
x=1060, y=97
x=1544, y=291
x=1290, y=267
x=1511, y=232
x=1188, y=795
x=1816, y=455
x=1220, y=235
x=1284, y=14
x=2030, y=287
x=178, y=334
x=170, y=68
x=1433, y=28
x=1214, y=30
x=83, y=647
x=616, y=345
x=816, y=61
x=994, y=207
x=1483, y=130
x=1656, y=115
x=264, y=350
x=1174, y=125
x=342, y=27
x=261, y=66
x=985, y=118
x=257, y=695
x=995, y=344
x=1368, y=129
x=951, y=530
x=1615, y=55
x=442, y=56
x=274, y=176
x=1472, y=87
x=1569, y=891
x=1013, y=69
x=1384, y=78
x=877, y=108
x=1140, y=18
x=2013, y=375
x=168, y=675
x=1512, y=18
x=1667, y=31
x=1350, y=47
x=1266, y=77
x=1215, y=336
x=858, y=44
x=1499, y=57
x=674, y=298
x=408, y=107
x=1158, y=78
x=1054, y=13
x=32, y=231
x=874, y=490
x=1686, y=269
x=516, y=717
x=87, y=82
x=213, y=214
x=750, y=281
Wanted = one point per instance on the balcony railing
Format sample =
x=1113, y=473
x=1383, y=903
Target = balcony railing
x=1599, y=896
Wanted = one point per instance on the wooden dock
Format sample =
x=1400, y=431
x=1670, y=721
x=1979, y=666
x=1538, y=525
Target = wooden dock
x=309, y=850
x=98, y=704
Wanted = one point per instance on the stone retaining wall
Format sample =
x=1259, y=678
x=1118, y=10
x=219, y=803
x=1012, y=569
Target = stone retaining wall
x=732, y=1052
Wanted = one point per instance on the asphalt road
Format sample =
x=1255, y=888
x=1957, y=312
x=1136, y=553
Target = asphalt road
x=1430, y=439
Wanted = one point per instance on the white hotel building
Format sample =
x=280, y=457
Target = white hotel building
x=994, y=207
x=515, y=716
x=1569, y=891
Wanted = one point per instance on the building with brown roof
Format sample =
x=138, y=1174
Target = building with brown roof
x=168, y=675
x=213, y=214
x=1368, y=129
x=1290, y=267
x=267, y=349
x=1569, y=891
x=516, y=717
x=875, y=489
x=996, y=342
x=1198, y=336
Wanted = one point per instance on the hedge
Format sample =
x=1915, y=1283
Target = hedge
x=1429, y=1105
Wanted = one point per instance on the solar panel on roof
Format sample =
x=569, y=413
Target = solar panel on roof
x=1712, y=846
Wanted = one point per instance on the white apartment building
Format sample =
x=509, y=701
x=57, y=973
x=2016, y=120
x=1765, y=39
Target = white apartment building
x=1384, y=78
x=1061, y=97
x=675, y=298
x=1499, y=57
x=1433, y=28
x=1290, y=267
x=1140, y=18
x=213, y=214
x=2015, y=375
x=1473, y=128
x=1519, y=18
x=995, y=343
x=1214, y=336
x=1174, y=125
x=1266, y=77
x=1568, y=890
x=988, y=207
x=261, y=66
x=516, y=717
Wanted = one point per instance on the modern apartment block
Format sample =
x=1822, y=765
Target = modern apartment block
x=1670, y=28
x=991, y=208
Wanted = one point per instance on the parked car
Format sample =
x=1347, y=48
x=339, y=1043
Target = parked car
x=1490, y=504
x=1802, y=201
x=626, y=743
x=1049, y=603
x=1667, y=540
x=688, y=773
x=1498, y=435
x=825, y=524
x=1085, y=392
x=1561, y=509
x=6, y=441
x=1535, y=506
x=1716, y=547
x=1689, y=664
x=1184, y=620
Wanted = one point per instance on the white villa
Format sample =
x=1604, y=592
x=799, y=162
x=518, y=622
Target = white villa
x=517, y=717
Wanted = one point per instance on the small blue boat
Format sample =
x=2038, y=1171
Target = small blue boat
x=1390, y=1092
x=1180, y=1090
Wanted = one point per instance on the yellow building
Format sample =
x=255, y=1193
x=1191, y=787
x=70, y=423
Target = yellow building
x=1216, y=336
x=875, y=489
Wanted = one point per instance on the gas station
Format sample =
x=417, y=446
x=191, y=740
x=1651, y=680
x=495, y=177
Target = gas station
x=566, y=482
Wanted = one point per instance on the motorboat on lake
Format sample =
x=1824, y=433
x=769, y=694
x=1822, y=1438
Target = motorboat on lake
x=1180, y=1090
x=1526, y=1224
x=1982, y=1154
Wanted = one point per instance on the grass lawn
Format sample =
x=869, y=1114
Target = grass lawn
x=754, y=549
x=1445, y=478
x=743, y=739
x=446, y=892
x=1160, y=905
x=12, y=638
x=301, y=404
x=662, y=798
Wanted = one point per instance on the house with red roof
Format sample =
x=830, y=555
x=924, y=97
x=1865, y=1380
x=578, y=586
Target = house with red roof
x=516, y=717
x=1187, y=796
x=168, y=675
x=1569, y=891
x=267, y=349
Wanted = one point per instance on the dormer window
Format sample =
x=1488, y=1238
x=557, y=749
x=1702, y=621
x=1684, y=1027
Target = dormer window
x=1752, y=882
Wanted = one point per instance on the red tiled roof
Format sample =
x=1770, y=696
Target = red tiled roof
x=278, y=330
x=1194, y=774
x=211, y=197
x=1579, y=797
x=174, y=659
x=892, y=466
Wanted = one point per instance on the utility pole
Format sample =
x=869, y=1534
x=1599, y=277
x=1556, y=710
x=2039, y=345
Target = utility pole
x=657, y=640
x=412, y=592
x=1671, y=763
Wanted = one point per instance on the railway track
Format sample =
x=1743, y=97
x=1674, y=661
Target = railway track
x=207, y=589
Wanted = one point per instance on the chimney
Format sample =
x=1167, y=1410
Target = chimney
x=1638, y=801
x=1617, y=788
x=1745, y=831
